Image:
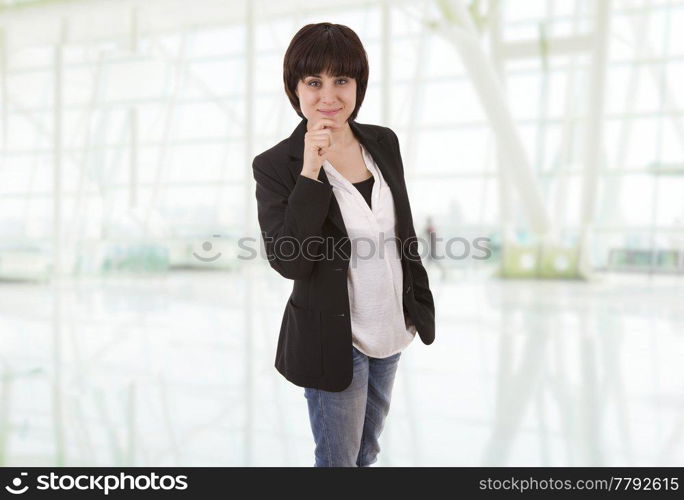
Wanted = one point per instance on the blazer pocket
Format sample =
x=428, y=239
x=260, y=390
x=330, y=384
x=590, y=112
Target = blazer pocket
x=303, y=341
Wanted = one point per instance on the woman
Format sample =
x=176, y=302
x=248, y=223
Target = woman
x=335, y=218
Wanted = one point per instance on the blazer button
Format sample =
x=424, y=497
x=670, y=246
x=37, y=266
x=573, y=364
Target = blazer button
x=339, y=269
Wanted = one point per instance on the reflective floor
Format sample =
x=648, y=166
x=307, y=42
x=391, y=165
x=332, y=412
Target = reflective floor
x=178, y=370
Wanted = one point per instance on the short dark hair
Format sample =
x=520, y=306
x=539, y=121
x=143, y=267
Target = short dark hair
x=325, y=48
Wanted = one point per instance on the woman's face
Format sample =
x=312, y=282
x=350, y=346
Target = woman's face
x=320, y=93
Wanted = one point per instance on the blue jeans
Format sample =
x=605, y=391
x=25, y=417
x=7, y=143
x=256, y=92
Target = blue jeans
x=346, y=425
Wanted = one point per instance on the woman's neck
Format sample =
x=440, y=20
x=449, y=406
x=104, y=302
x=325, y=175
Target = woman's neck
x=343, y=137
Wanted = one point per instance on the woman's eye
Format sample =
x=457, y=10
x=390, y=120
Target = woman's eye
x=317, y=82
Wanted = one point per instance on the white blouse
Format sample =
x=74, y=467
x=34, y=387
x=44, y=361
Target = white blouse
x=375, y=276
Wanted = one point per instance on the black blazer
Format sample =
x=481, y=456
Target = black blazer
x=306, y=241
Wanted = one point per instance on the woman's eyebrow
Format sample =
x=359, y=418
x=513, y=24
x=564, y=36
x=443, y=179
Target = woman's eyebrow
x=319, y=76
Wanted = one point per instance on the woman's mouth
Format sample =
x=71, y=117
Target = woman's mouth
x=330, y=113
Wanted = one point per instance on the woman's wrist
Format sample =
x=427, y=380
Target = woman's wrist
x=310, y=174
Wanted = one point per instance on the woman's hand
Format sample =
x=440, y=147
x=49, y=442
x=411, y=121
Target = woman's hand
x=317, y=144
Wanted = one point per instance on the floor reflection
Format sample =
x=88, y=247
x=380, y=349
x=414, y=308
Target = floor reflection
x=178, y=371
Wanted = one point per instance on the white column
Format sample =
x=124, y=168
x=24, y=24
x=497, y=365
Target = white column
x=249, y=386
x=594, y=129
x=58, y=266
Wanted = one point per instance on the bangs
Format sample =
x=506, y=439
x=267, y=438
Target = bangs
x=332, y=57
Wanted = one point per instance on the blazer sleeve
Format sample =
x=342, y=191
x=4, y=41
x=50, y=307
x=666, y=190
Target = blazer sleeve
x=421, y=283
x=288, y=217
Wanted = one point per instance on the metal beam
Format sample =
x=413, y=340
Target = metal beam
x=528, y=49
x=457, y=27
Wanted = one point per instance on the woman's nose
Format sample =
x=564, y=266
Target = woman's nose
x=328, y=96
x=328, y=99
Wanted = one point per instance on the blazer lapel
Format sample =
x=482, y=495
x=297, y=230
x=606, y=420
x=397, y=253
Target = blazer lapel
x=373, y=140
x=381, y=150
